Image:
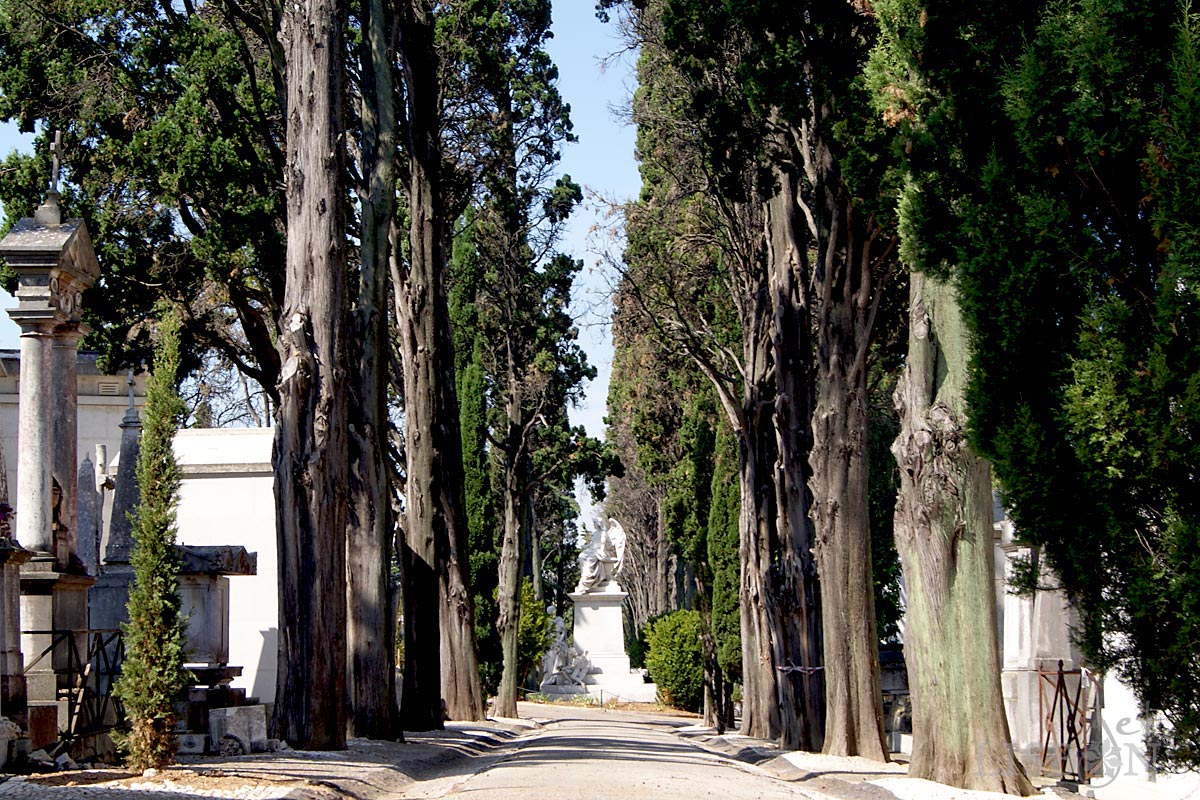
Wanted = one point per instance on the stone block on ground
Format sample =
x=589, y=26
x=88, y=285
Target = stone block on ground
x=190, y=744
x=246, y=724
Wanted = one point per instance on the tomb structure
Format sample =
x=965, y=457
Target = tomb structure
x=55, y=264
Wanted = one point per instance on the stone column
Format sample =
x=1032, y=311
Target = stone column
x=55, y=264
x=66, y=441
x=89, y=518
x=35, y=429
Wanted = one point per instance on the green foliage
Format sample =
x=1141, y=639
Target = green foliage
x=1053, y=170
x=723, y=559
x=471, y=387
x=172, y=133
x=535, y=631
x=152, y=674
x=673, y=659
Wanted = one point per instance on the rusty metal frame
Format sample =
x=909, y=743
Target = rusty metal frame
x=90, y=678
x=1069, y=721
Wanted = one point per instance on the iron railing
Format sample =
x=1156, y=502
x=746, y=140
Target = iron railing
x=90, y=670
x=1069, y=706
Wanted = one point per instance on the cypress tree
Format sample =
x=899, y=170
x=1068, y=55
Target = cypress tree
x=153, y=674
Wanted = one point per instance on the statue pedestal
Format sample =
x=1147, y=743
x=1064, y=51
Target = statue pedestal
x=600, y=632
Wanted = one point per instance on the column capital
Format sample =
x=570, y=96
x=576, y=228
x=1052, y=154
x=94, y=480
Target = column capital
x=68, y=334
x=37, y=322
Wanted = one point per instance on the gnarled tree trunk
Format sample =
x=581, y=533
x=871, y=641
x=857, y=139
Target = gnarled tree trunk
x=511, y=552
x=310, y=452
x=371, y=627
x=433, y=552
x=851, y=249
x=944, y=537
x=797, y=602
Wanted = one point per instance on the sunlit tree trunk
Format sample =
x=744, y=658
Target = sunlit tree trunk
x=310, y=453
x=944, y=537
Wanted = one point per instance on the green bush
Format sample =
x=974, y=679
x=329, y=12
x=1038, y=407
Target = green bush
x=535, y=631
x=674, y=659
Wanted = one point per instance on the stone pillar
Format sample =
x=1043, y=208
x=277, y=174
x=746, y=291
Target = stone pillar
x=35, y=429
x=88, y=518
x=55, y=264
x=13, y=693
x=66, y=441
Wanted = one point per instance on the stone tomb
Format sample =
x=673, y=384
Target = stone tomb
x=55, y=264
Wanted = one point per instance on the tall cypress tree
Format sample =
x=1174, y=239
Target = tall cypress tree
x=152, y=674
x=1052, y=152
x=466, y=274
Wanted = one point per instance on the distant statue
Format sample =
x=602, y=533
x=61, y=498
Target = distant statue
x=565, y=664
x=603, y=557
x=556, y=657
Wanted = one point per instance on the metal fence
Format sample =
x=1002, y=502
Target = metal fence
x=1069, y=703
x=90, y=660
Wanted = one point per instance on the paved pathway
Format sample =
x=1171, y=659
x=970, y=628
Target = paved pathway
x=587, y=754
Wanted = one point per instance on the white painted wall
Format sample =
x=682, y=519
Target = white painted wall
x=99, y=414
x=227, y=498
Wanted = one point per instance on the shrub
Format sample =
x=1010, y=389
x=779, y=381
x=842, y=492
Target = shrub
x=674, y=659
x=535, y=631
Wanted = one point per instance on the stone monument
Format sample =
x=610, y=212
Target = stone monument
x=111, y=592
x=55, y=264
x=599, y=627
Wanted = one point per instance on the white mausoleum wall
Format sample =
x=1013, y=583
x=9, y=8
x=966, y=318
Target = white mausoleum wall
x=102, y=402
x=227, y=498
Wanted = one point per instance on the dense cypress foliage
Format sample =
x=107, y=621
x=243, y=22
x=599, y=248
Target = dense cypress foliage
x=1052, y=166
x=152, y=675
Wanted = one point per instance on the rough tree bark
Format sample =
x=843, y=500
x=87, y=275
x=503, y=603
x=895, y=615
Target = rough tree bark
x=798, y=596
x=851, y=251
x=944, y=537
x=310, y=452
x=371, y=617
x=437, y=600
x=773, y=586
x=511, y=547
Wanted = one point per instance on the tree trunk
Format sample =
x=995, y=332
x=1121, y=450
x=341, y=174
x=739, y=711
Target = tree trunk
x=509, y=591
x=845, y=288
x=434, y=560
x=944, y=537
x=371, y=617
x=310, y=452
x=798, y=592
x=766, y=700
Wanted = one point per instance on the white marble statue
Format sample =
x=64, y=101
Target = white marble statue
x=564, y=664
x=603, y=558
x=555, y=658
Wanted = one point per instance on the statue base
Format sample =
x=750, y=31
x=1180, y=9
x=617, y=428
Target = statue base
x=600, y=632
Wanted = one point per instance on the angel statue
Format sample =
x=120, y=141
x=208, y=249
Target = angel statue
x=602, y=558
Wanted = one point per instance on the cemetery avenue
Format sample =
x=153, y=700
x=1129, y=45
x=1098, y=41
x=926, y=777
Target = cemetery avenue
x=554, y=752
x=852, y=451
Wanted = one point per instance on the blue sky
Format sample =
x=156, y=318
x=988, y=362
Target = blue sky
x=602, y=161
